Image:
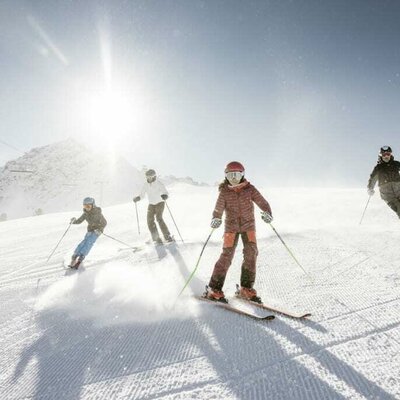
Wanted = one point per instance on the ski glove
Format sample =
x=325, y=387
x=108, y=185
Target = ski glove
x=136, y=199
x=216, y=223
x=72, y=221
x=98, y=232
x=164, y=196
x=266, y=217
x=371, y=192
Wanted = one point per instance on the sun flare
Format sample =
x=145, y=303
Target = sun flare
x=110, y=114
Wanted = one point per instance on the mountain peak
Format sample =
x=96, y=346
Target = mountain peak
x=57, y=176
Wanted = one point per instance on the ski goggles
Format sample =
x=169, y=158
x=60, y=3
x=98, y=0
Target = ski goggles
x=386, y=154
x=235, y=175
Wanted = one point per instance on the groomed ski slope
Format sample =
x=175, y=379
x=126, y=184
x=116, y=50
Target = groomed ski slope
x=114, y=330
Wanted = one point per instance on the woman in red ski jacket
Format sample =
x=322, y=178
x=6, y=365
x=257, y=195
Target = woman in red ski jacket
x=236, y=198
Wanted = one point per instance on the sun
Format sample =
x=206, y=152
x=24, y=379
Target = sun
x=109, y=114
x=114, y=117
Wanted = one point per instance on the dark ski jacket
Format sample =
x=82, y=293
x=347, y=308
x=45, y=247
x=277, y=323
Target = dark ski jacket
x=95, y=219
x=385, y=173
x=238, y=204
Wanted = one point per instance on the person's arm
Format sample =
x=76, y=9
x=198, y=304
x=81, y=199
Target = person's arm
x=219, y=206
x=218, y=211
x=263, y=204
x=144, y=191
x=80, y=219
x=141, y=195
x=100, y=222
x=373, y=178
x=163, y=191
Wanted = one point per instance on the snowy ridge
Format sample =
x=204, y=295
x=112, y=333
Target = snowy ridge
x=59, y=175
x=114, y=330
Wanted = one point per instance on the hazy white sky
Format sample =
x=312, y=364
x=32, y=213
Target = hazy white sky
x=301, y=92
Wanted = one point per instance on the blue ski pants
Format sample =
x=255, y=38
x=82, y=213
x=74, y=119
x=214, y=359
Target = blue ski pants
x=87, y=243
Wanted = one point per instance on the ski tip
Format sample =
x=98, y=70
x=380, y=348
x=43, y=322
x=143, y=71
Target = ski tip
x=269, y=317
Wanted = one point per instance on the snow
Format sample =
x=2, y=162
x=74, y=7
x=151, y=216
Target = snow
x=60, y=175
x=116, y=330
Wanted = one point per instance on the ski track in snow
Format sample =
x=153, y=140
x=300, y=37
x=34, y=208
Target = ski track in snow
x=112, y=331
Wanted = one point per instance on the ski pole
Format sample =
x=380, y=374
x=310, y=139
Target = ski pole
x=291, y=253
x=197, y=264
x=120, y=241
x=365, y=209
x=137, y=219
x=62, y=237
x=176, y=226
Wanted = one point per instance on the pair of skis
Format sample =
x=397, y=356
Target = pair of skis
x=237, y=310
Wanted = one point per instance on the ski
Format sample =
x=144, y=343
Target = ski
x=134, y=249
x=236, y=310
x=287, y=313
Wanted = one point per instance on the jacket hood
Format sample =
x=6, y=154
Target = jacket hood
x=380, y=161
x=226, y=185
x=94, y=209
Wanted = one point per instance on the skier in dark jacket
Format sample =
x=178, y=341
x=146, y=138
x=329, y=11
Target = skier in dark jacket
x=387, y=174
x=236, y=198
x=96, y=224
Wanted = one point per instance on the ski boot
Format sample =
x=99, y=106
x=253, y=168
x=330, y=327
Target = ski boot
x=158, y=242
x=249, y=294
x=73, y=261
x=170, y=239
x=215, y=295
x=77, y=262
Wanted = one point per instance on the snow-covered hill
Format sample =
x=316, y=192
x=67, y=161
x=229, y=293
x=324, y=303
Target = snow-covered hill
x=116, y=330
x=171, y=179
x=58, y=177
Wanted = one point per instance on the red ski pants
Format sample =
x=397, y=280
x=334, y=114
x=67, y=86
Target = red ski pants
x=250, y=253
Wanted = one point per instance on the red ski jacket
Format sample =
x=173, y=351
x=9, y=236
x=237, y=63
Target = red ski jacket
x=237, y=202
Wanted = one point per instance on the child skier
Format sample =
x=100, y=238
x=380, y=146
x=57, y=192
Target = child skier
x=96, y=225
x=386, y=172
x=236, y=197
x=157, y=195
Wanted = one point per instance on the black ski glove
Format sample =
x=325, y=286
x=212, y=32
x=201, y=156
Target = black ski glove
x=136, y=199
x=164, y=196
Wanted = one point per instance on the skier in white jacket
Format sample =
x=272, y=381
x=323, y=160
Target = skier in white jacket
x=157, y=194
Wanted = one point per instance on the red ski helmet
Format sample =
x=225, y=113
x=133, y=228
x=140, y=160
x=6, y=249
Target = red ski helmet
x=234, y=166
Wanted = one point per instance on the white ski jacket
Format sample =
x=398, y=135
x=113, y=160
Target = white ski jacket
x=154, y=191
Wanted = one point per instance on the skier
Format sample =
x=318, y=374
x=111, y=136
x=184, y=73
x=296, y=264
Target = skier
x=236, y=197
x=157, y=195
x=96, y=224
x=386, y=172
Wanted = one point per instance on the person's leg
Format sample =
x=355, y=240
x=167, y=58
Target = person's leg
x=77, y=251
x=159, y=216
x=224, y=262
x=390, y=194
x=250, y=253
x=248, y=274
x=394, y=204
x=89, y=241
x=83, y=249
x=151, y=213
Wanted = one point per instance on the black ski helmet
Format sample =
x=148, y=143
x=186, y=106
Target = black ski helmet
x=150, y=173
x=386, y=149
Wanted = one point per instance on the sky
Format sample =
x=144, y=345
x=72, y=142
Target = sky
x=303, y=93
